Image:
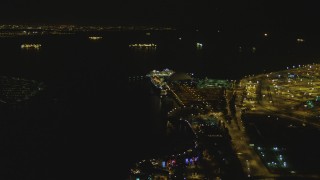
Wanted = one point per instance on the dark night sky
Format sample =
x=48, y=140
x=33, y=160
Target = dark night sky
x=167, y=12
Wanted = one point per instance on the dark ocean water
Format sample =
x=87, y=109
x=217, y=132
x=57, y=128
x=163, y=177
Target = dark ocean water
x=90, y=120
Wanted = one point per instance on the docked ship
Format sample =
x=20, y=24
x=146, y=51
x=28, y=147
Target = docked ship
x=158, y=80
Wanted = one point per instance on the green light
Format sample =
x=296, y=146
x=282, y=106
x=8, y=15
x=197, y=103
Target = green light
x=310, y=104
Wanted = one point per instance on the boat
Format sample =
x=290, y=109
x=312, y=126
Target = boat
x=31, y=46
x=95, y=38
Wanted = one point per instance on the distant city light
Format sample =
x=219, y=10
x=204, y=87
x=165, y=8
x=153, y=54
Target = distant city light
x=187, y=161
x=254, y=49
x=199, y=46
x=300, y=40
x=240, y=49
